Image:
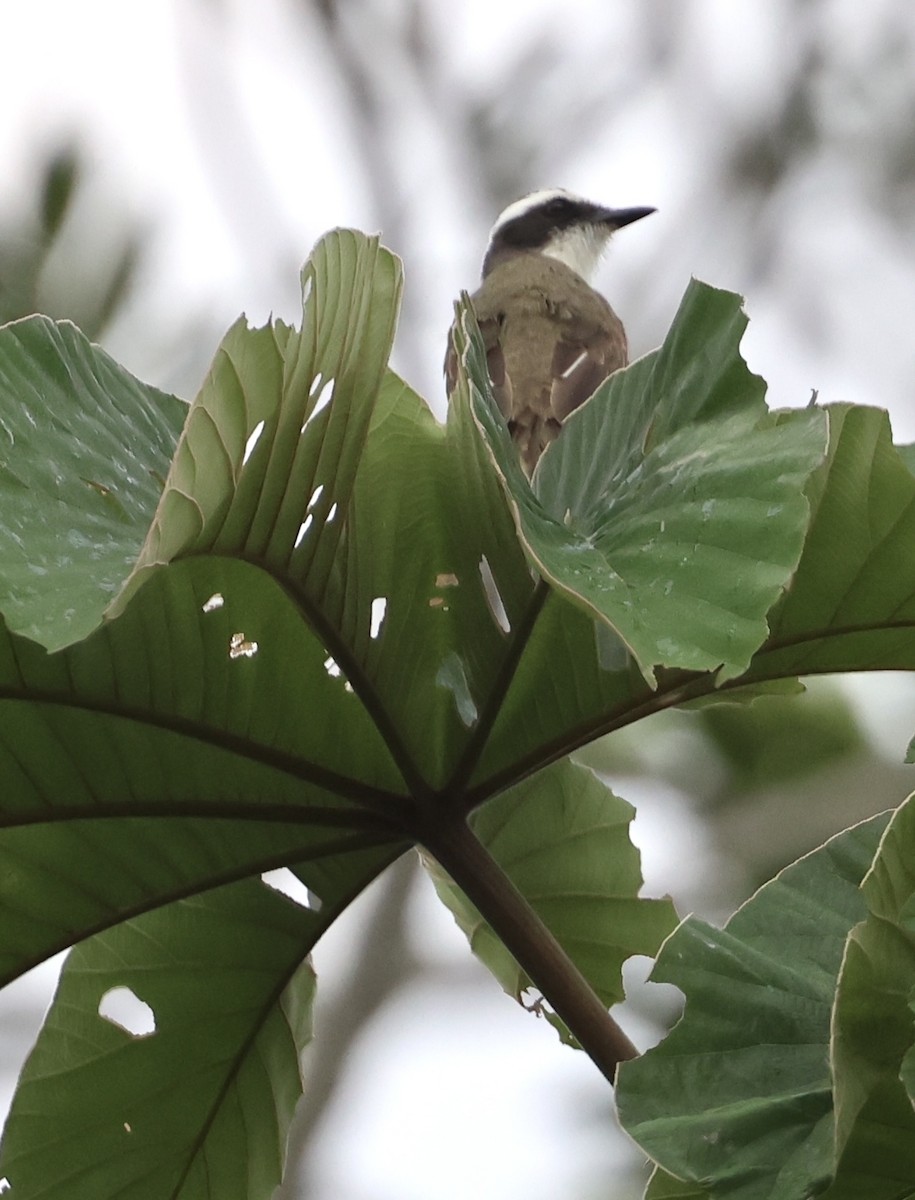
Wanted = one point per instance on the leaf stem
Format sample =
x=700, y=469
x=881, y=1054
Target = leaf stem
x=468, y=862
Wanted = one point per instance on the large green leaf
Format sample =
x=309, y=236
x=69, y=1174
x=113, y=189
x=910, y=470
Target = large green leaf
x=873, y=1030
x=738, y=1098
x=851, y=606
x=422, y=529
x=145, y=762
x=199, y=1107
x=276, y=434
x=361, y=507
x=85, y=450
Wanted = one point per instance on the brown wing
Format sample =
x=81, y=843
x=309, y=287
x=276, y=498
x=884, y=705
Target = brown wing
x=495, y=363
x=557, y=358
x=579, y=368
x=550, y=341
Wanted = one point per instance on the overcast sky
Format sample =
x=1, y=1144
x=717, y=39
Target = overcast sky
x=224, y=128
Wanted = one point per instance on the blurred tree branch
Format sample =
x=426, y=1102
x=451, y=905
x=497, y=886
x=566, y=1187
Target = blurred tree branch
x=43, y=267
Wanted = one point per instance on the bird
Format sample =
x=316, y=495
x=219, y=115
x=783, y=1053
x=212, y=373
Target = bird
x=550, y=338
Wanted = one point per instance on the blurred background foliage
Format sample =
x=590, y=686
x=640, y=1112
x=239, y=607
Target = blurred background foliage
x=47, y=262
x=778, y=142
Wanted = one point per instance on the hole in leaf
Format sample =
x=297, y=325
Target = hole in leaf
x=303, y=529
x=324, y=395
x=493, y=597
x=241, y=647
x=124, y=1008
x=307, y=285
x=217, y=600
x=283, y=880
x=379, y=608
x=315, y=497
x=444, y=579
x=330, y=666
x=332, y=513
x=128, y=1128
x=5, y=1185
x=253, y=439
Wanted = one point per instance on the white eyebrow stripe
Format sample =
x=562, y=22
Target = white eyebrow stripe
x=526, y=203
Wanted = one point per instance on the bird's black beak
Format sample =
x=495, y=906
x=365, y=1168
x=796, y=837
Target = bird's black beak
x=616, y=218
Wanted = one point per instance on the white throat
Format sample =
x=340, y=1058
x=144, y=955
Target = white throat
x=580, y=248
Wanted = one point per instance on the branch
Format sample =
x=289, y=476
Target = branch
x=478, y=875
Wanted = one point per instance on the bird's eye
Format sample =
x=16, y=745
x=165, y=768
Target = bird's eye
x=557, y=206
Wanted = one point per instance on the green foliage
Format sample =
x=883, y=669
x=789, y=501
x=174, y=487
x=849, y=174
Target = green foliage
x=302, y=624
x=739, y=1096
x=769, y=741
x=87, y=450
x=673, y=506
x=53, y=261
x=102, y=1113
x=873, y=1032
x=563, y=840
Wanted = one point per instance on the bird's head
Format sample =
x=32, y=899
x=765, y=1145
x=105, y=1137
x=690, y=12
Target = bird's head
x=559, y=224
